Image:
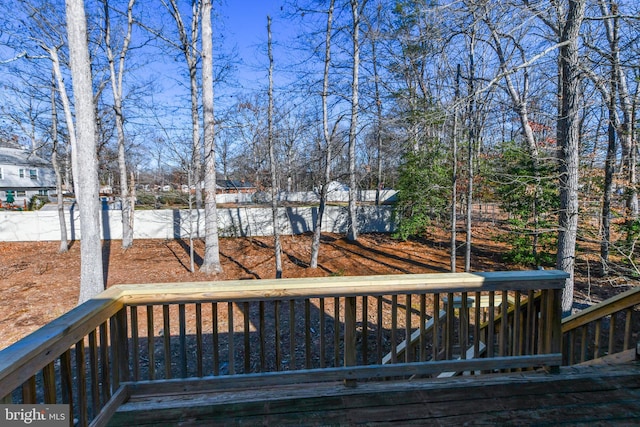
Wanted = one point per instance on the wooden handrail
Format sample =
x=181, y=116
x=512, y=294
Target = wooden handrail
x=105, y=319
x=19, y=361
x=346, y=286
x=605, y=308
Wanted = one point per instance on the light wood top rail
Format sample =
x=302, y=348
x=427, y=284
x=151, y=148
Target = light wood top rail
x=318, y=287
x=613, y=305
x=21, y=360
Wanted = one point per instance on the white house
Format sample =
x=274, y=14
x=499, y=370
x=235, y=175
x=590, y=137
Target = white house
x=23, y=175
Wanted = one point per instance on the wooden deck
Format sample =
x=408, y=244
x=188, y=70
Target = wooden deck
x=596, y=394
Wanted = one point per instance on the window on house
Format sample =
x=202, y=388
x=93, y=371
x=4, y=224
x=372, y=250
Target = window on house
x=21, y=173
x=43, y=192
x=21, y=193
x=33, y=173
x=1, y=174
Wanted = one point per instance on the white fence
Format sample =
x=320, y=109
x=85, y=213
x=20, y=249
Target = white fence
x=369, y=196
x=176, y=223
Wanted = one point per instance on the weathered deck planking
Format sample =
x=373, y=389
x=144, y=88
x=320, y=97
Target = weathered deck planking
x=601, y=394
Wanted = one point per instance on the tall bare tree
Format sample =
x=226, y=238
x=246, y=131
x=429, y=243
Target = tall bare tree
x=356, y=8
x=188, y=45
x=116, y=75
x=272, y=161
x=211, y=262
x=326, y=176
x=64, y=241
x=568, y=140
x=87, y=186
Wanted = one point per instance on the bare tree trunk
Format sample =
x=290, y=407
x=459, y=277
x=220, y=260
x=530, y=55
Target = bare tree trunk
x=317, y=230
x=188, y=45
x=609, y=169
x=116, y=77
x=272, y=163
x=87, y=189
x=211, y=263
x=64, y=241
x=473, y=135
x=352, y=234
x=568, y=139
x=454, y=176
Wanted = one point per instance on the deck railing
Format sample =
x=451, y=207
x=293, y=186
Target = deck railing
x=278, y=331
x=609, y=327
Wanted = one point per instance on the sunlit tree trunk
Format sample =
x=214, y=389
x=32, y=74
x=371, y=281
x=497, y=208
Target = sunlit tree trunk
x=116, y=77
x=568, y=140
x=64, y=241
x=211, y=262
x=87, y=187
x=317, y=231
x=272, y=163
x=352, y=234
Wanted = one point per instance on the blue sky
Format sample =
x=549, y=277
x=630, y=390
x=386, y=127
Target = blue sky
x=245, y=22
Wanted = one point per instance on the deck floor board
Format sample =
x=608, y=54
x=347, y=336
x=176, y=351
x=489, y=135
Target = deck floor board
x=595, y=395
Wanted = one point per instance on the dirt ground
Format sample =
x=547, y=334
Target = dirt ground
x=38, y=284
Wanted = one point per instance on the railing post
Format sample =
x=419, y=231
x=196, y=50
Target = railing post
x=350, y=336
x=553, y=324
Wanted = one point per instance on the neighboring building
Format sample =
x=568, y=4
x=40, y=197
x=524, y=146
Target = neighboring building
x=24, y=175
x=230, y=186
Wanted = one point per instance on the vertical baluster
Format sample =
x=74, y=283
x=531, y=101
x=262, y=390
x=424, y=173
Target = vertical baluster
x=276, y=307
x=379, y=345
x=66, y=381
x=29, y=391
x=365, y=330
x=151, y=343
x=323, y=337
x=583, y=346
x=83, y=418
x=423, y=320
x=114, y=352
x=105, y=372
x=350, y=357
x=231, y=339
x=49, y=383
x=394, y=327
x=449, y=329
x=247, y=336
x=517, y=325
x=199, y=346
x=307, y=334
x=596, y=340
x=491, y=326
x=530, y=328
x=464, y=325
x=263, y=337
x=336, y=332
x=612, y=332
x=408, y=349
x=123, y=344
x=504, y=325
x=571, y=341
x=477, y=323
x=166, y=339
x=292, y=335
x=135, y=343
x=182, y=323
x=215, y=338
x=93, y=371
x=436, y=327
x=627, y=329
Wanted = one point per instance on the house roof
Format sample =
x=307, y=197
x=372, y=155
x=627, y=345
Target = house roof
x=17, y=158
x=20, y=157
x=234, y=184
